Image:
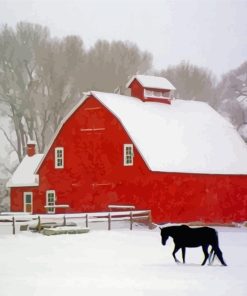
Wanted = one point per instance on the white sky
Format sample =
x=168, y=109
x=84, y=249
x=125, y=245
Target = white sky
x=209, y=33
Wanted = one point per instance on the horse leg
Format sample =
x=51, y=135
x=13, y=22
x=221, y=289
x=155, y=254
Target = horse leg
x=183, y=254
x=211, y=257
x=174, y=252
x=219, y=255
x=205, y=251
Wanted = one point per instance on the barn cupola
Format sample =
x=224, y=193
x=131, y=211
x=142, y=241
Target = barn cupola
x=151, y=88
x=31, y=148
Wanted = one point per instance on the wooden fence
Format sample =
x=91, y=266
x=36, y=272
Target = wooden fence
x=22, y=221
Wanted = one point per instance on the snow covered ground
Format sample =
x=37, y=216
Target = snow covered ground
x=117, y=262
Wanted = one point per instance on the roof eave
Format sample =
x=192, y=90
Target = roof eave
x=11, y=185
x=145, y=86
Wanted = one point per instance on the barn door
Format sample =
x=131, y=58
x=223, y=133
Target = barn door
x=28, y=202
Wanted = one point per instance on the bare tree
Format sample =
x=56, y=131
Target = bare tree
x=231, y=95
x=18, y=79
x=41, y=78
x=191, y=82
x=38, y=82
x=110, y=64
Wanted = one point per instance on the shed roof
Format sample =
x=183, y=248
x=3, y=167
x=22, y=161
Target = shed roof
x=25, y=173
x=154, y=82
x=186, y=136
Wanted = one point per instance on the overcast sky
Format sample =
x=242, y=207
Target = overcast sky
x=209, y=33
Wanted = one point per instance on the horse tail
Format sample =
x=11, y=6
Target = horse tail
x=216, y=249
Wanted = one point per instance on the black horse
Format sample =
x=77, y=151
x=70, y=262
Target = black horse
x=186, y=237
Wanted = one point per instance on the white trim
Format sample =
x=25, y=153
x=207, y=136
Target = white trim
x=51, y=205
x=125, y=155
x=57, y=158
x=25, y=203
x=58, y=207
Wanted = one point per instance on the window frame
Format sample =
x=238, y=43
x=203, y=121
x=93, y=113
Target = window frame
x=47, y=201
x=155, y=94
x=57, y=158
x=126, y=155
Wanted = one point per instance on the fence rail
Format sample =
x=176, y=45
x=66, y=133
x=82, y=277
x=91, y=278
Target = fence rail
x=25, y=221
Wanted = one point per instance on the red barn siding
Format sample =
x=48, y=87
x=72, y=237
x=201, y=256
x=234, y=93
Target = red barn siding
x=94, y=177
x=137, y=89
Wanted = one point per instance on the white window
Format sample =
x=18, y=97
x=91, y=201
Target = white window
x=128, y=154
x=157, y=94
x=148, y=93
x=59, y=158
x=50, y=201
x=28, y=202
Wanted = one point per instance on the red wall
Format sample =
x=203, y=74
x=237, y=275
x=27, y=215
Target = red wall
x=94, y=177
x=137, y=89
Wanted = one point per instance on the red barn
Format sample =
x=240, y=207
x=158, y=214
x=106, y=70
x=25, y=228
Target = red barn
x=180, y=159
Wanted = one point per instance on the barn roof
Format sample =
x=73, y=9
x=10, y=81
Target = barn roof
x=152, y=82
x=186, y=136
x=25, y=172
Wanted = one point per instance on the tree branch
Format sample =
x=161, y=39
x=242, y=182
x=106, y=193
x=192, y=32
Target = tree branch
x=8, y=139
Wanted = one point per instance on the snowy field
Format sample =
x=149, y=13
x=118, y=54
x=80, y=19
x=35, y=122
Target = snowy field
x=117, y=262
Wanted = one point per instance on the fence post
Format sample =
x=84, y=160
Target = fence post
x=87, y=220
x=131, y=220
x=64, y=220
x=13, y=224
x=109, y=221
x=39, y=224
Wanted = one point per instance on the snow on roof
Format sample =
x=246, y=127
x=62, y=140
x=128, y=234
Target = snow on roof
x=31, y=142
x=24, y=174
x=152, y=82
x=186, y=136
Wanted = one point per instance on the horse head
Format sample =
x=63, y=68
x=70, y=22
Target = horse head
x=164, y=236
